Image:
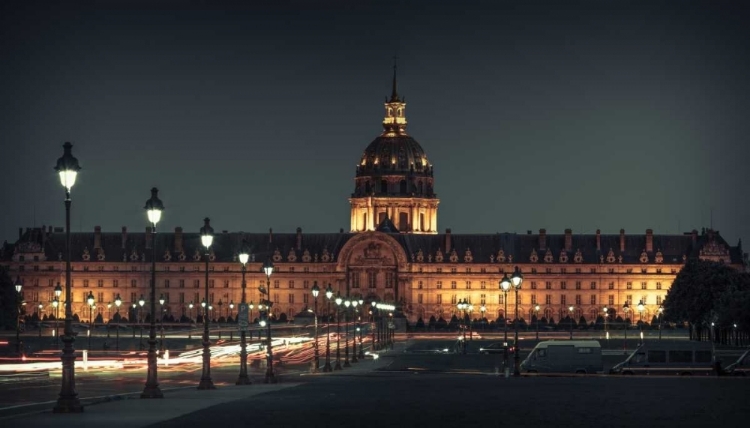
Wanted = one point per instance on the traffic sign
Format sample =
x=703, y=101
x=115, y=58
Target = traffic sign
x=242, y=317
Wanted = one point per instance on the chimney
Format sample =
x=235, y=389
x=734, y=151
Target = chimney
x=270, y=235
x=178, y=240
x=448, y=243
x=622, y=240
x=542, y=239
x=649, y=241
x=568, y=240
x=148, y=237
x=694, y=235
x=124, y=237
x=598, y=240
x=299, y=239
x=97, y=237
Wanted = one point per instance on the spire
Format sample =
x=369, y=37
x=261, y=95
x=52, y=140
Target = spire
x=394, y=92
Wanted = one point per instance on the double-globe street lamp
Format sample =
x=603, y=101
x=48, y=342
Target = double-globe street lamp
x=207, y=239
x=91, y=301
x=641, y=307
x=536, y=313
x=661, y=312
x=118, y=302
x=243, y=379
x=19, y=303
x=462, y=305
x=347, y=304
x=67, y=167
x=570, y=318
x=505, y=287
x=338, y=301
x=316, y=358
x=359, y=328
x=516, y=280
x=354, y=303
x=154, y=208
x=56, y=305
x=625, y=310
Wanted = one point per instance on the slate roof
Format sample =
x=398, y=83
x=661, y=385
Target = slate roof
x=263, y=245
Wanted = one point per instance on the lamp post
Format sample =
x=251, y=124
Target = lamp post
x=354, y=359
x=154, y=208
x=626, y=309
x=517, y=280
x=161, y=324
x=39, y=314
x=329, y=296
x=19, y=301
x=207, y=238
x=243, y=379
x=68, y=402
x=483, y=310
x=316, y=358
x=361, y=351
x=56, y=305
x=505, y=286
x=141, y=302
x=661, y=312
x=606, y=316
x=109, y=317
x=461, y=305
x=347, y=304
x=90, y=300
x=118, y=302
x=268, y=270
x=641, y=308
x=373, y=314
x=192, y=320
x=338, y=301
x=536, y=311
x=570, y=318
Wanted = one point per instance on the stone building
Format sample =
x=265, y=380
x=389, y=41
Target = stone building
x=392, y=252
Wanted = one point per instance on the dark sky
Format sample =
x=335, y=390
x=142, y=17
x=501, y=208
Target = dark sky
x=582, y=115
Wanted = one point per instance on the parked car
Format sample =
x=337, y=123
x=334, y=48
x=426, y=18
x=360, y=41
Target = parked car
x=741, y=367
x=565, y=356
x=496, y=348
x=680, y=357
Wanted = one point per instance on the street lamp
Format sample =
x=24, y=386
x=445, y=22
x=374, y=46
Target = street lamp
x=268, y=270
x=570, y=318
x=68, y=402
x=161, y=322
x=243, y=379
x=517, y=280
x=338, y=301
x=207, y=238
x=661, y=312
x=606, y=316
x=56, y=305
x=483, y=309
x=329, y=296
x=90, y=300
x=141, y=302
x=641, y=308
x=316, y=358
x=19, y=300
x=355, y=302
x=462, y=305
x=505, y=286
x=626, y=309
x=153, y=208
x=347, y=303
x=361, y=351
x=118, y=302
x=536, y=311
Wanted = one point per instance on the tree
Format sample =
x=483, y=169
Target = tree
x=694, y=293
x=432, y=322
x=8, y=300
x=420, y=323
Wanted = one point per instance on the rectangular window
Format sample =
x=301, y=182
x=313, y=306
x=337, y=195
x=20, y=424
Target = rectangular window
x=533, y=299
x=196, y=283
x=483, y=285
x=439, y=285
x=291, y=285
x=371, y=279
x=658, y=300
x=100, y=298
x=306, y=298
x=548, y=270
x=115, y=283
x=85, y=282
x=643, y=299
x=562, y=270
x=276, y=283
x=51, y=283
x=468, y=270
x=197, y=299
x=500, y=299
x=419, y=285
x=548, y=285
x=611, y=285
x=276, y=297
x=306, y=284
x=658, y=285
x=611, y=270
x=548, y=299
x=563, y=299
x=629, y=299
x=211, y=283
x=629, y=285
x=389, y=280
x=419, y=298
x=439, y=299
x=593, y=270
x=100, y=283
x=353, y=279
x=291, y=298
x=483, y=299
x=439, y=270
x=611, y=300
x=166, y=283
x=578, y=270
x=134, y=283
x=453, y=285
x=578, y=285
x=563, y=285
x=453, y=270
x=182, y=297
x=593, y=285
x=468, y=285
x=166, y=298
x=453, y=299
x=291, y=269
x=593, y=299
x=533, y=285
x=643, y=285
x=226, y=283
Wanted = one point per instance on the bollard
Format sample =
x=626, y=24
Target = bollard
x=166, y=357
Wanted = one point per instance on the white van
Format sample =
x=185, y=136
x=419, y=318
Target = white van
x=677, y=357
x=565, y=356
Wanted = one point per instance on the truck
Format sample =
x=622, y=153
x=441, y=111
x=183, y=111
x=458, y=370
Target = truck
x=565, y=356
x=669, y=357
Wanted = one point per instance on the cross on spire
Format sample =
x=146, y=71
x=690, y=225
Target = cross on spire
x=394, y=92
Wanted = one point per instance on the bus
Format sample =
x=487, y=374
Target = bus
x=669, y=357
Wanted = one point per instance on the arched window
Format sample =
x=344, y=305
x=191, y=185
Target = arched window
x=402, y=187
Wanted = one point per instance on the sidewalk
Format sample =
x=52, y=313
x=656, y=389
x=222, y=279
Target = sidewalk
x=134, y=412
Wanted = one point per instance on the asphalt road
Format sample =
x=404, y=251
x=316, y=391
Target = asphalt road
x=445, y=400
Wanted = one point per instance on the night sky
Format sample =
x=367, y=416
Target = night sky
x=582, y=115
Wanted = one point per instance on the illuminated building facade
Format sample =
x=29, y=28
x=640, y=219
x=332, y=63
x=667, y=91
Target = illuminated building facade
x=392, y=252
